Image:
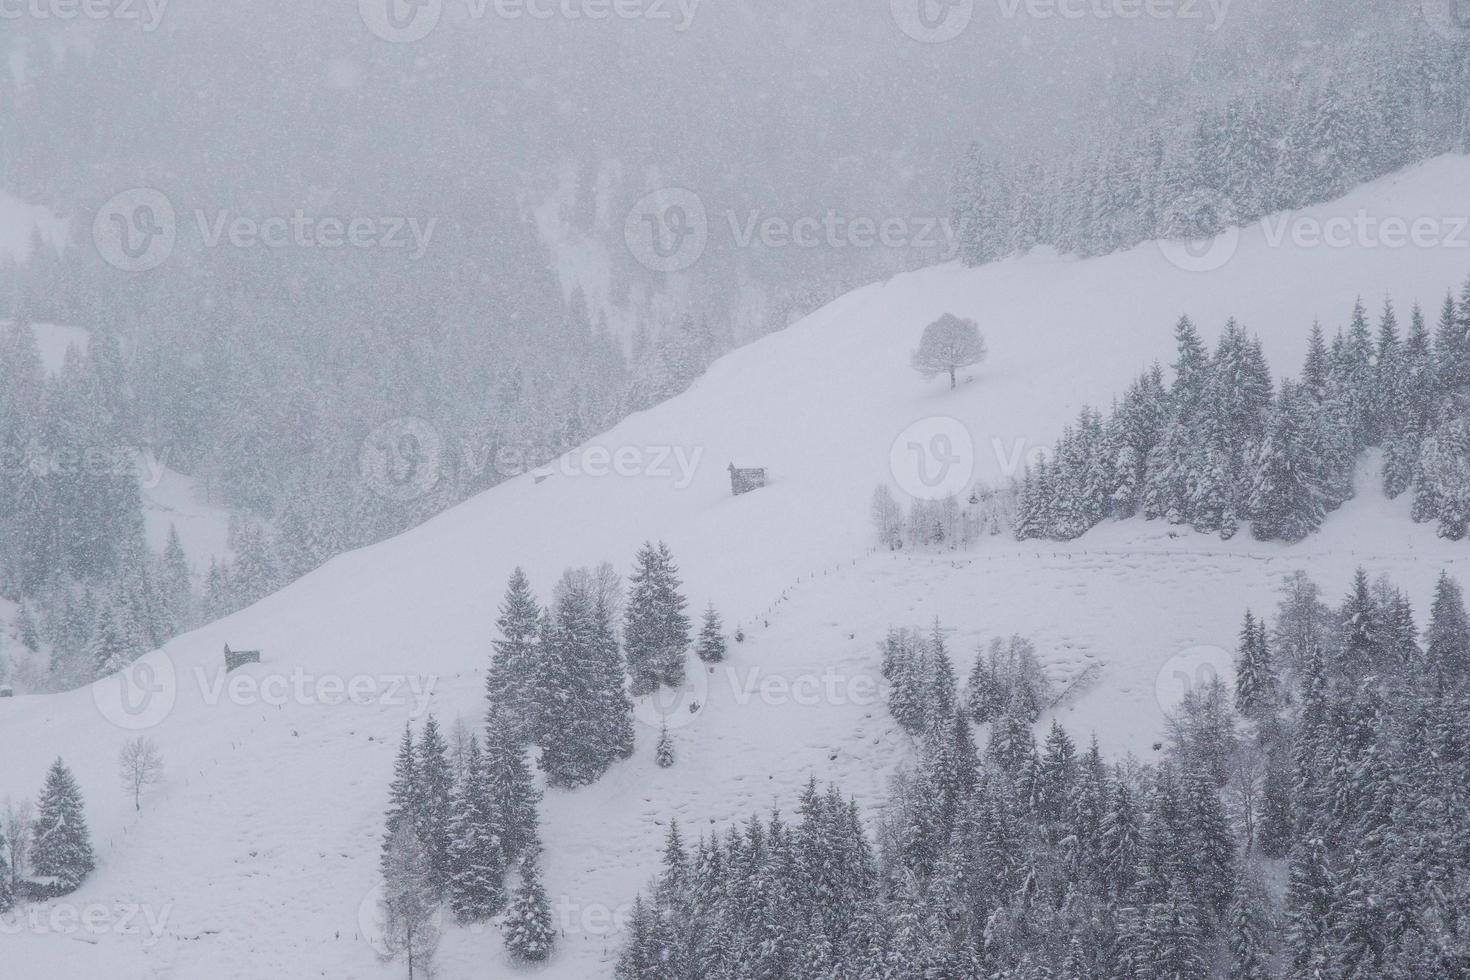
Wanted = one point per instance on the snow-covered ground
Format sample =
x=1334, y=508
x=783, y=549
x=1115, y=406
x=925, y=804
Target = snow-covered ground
x=260, y=852
x=173, y=499
x=19, y=222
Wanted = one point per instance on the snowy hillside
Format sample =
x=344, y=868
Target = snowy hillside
x=261, y=849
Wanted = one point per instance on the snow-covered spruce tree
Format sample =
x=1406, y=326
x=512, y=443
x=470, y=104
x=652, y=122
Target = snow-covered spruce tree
x=7, y=888
x=985, y=694
x=61, y=845
x=255, y=573
x=1274, y=833
x=476, y=860
x=512, y=667
x=403, y=793
x=409, y=905
x=435, y=793
x=1443, y=487
x=1255, y=682
x=711, y=646
x=1447, y=640
x=1310, y=901
x=176, y=582
x=664, y=752
x=906, y=669
x=529, y=931
x=608, y=670
x=645, y=953
x=111, y=647
x=588, y=719
x=948, y=344
x=1289, y=490
x=512, y=791
x=1362, y=649
x=655, y=628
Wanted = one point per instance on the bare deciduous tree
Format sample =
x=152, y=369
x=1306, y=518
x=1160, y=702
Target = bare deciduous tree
x=948, y=344
x=409, y=905
x=140, y=766
x=17, y=828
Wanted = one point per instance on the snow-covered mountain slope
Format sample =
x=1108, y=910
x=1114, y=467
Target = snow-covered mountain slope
x=260, y=852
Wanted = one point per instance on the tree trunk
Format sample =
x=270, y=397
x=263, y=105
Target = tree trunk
x=951, y=377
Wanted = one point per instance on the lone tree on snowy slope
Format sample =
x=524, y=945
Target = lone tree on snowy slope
x=140, y=766
x=948, y=344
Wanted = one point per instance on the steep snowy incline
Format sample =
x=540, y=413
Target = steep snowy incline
x=262, y=846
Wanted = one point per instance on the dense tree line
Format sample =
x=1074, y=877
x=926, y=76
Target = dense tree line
x=461, y=817
x=1309, y=824
x=1218, y=444
x=563, y=675
x=456, y=827
x=72, y=549
x=1188, y=151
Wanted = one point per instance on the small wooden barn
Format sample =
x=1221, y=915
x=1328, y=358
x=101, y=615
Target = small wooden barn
x=238, y=658
x=746, y=480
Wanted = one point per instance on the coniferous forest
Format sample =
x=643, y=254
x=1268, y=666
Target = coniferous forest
x=1309, y=821
x=1188, y=150
x=1219, y=444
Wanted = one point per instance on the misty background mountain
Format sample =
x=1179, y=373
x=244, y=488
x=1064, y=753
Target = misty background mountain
x=527, y=322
